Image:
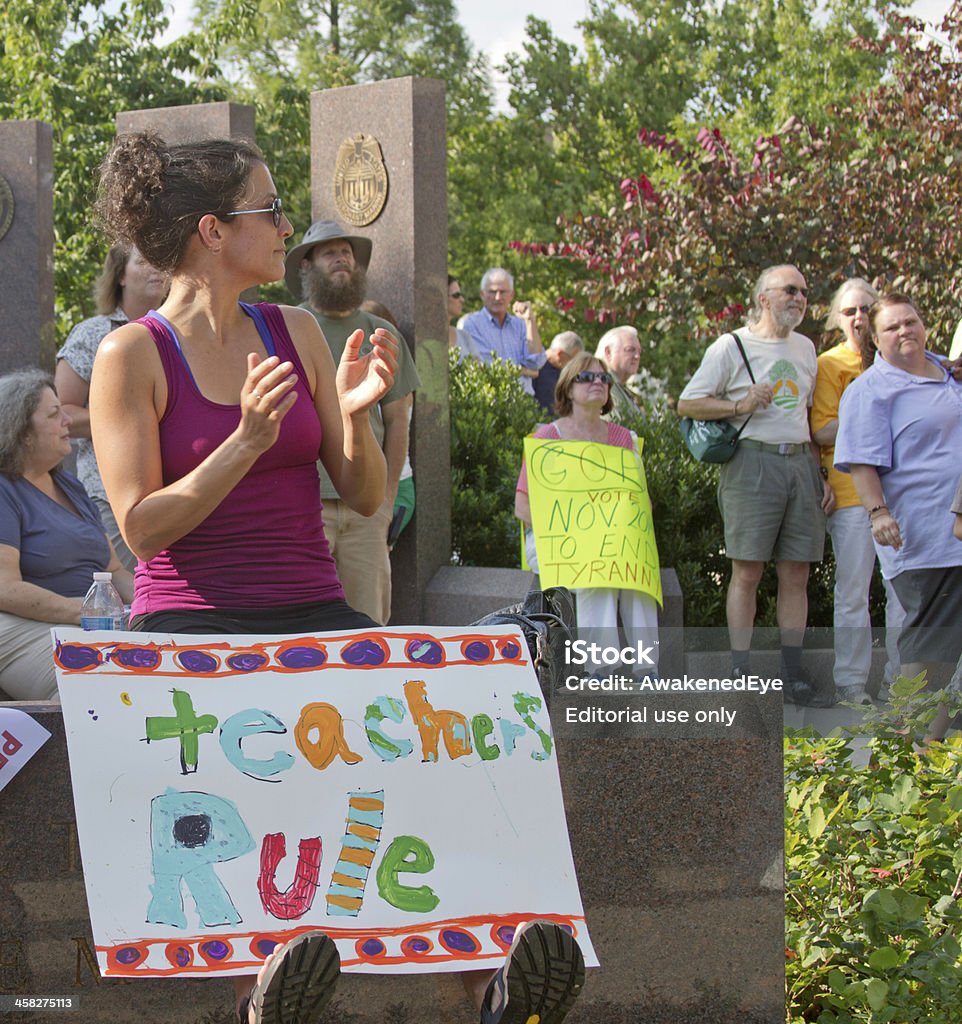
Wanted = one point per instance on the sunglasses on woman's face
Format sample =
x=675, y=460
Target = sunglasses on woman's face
x=852, y=310
x=587, y=376
x=276, y=210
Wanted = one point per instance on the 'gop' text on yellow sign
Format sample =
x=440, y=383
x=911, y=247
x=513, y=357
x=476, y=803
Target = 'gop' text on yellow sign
x=591, y=515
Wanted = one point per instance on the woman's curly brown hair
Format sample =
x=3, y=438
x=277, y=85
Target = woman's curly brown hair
x=152, y=195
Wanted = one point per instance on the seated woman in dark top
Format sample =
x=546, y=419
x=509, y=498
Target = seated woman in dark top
x=51, y=537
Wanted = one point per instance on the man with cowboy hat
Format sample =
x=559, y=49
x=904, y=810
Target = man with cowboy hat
x=329, y=271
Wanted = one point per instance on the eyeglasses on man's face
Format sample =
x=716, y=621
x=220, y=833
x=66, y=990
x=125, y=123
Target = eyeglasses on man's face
x=276, y=210
x=852, y=310
x=789, y=289
x=588, y=376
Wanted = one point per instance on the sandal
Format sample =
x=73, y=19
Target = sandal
x=540, y=980
x=298, y=983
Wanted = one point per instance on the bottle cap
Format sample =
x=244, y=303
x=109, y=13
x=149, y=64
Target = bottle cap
x=103, y=575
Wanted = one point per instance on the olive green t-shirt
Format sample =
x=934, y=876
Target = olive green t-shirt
x=337, y=330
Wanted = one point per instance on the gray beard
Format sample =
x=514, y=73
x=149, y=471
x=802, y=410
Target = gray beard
x=787, y=319
x=327, y=297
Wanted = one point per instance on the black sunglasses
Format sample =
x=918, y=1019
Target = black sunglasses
x=276, y=210
x=455, y=295
x=789, y=289
x=587, y=376
x=852, y=310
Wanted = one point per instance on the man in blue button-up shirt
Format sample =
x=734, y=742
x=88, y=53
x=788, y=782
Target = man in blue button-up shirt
x=899, y=435
x=510, y=336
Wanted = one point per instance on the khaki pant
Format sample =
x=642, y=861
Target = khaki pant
x=359, y=547
x=26, y=659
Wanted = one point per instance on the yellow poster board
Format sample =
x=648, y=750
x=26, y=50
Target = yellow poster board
x=591, y=515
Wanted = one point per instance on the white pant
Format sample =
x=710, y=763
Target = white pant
x=26, y=659
x=854, y=549
x=598, y=610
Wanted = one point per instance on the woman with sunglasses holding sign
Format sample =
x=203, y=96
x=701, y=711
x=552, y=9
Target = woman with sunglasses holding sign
x=847, y=526
x=582, y=398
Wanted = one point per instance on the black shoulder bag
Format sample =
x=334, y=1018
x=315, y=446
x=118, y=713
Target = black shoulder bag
x=714, y=440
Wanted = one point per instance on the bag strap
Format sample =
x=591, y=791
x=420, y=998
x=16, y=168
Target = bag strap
x=748, y=366
x=741, y=349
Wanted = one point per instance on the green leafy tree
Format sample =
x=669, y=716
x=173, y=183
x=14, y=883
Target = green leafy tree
x=875, y=192
x=75, y=65
x=573, y=121
x=644, y=66
x=794, y=60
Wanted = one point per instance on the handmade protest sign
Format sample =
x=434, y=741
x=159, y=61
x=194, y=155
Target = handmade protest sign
x=591, y=515
x=20, y=738
x=398, y=789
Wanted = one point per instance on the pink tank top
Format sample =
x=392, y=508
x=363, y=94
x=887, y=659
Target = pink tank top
x=264, y=545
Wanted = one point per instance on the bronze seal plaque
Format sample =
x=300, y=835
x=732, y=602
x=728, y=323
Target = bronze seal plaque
x=6, y=206
x=360, y=180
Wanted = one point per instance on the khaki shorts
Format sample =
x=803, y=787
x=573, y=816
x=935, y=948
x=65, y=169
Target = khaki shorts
x=771, y=506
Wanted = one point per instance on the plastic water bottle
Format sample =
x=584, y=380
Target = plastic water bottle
x=103, y=607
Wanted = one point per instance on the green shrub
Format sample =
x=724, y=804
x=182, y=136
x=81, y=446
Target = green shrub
x=872, y=872
x=490, y=417
x=685, y=514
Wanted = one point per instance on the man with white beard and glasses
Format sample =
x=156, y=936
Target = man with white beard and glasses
x=772, y=495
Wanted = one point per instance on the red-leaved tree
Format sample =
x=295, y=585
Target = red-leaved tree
x=877, y=193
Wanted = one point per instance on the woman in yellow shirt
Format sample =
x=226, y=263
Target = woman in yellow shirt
x=847, y=525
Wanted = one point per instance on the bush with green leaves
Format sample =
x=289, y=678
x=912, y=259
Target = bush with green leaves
x=873, y=870
x=685, y=514
x=490, y=417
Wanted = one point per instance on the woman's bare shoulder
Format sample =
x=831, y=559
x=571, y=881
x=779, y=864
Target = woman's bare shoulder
x=546, y=430
x=127, y=362
x=128, y=341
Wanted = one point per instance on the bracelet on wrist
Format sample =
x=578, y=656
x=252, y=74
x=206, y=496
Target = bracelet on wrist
x=873, y=513
x=734, y=408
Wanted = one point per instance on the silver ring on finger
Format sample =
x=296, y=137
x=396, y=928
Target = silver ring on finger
x=257, y=395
